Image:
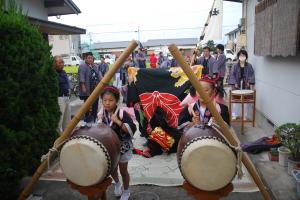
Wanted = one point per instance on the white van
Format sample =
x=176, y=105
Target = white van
x=229, y=55
x=72, y=60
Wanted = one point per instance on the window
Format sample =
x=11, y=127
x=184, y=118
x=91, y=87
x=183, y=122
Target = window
x=73, y=59
x=61, y=37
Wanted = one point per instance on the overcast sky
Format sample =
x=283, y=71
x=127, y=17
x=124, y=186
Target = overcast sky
x=120, y=20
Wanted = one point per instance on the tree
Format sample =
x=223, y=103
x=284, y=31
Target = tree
x=211, y=45
x=29, y=111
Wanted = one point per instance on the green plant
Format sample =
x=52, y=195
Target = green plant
x=29, y=111
x=289, y=135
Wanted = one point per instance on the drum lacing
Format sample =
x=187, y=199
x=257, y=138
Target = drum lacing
x=239, y=152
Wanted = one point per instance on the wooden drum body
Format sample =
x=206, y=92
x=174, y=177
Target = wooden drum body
x=90, y=155
x=205, y=159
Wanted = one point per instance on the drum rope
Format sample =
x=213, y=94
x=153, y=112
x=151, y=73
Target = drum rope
x=53, y=149
x=239, y=151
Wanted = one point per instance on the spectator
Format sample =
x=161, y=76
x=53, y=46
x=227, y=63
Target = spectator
x=174, y=62
x=124, y=77
x=220, y=64
x=141, y=58
x=161, y=58
x=242, y=74
x=103, y=66
x=166, y=64
x=208, y=63
x=89, y=76
x=63, y=95
x=153, y=61
x=241, y=77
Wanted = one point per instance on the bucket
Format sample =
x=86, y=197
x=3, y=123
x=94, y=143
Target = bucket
x=296, y=174
x=284, y=153
x=292, y=165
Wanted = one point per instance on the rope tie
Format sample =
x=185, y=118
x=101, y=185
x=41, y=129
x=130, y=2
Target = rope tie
x=51, y=150
x=239, y=152
x=240, y=172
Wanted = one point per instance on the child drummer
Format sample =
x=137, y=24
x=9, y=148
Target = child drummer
x=198, y=112
x=122, y=124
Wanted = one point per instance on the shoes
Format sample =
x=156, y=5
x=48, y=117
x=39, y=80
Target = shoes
x=234, y=116
x=118, y=189
x=125, y=195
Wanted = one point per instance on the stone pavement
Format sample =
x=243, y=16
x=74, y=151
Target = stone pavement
x=52, y=190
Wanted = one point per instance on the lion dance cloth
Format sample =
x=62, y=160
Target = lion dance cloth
x=158, y=94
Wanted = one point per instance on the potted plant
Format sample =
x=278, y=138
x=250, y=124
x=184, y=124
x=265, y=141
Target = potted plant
x=290, y=138
x=273, y=154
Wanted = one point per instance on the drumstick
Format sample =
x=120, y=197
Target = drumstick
x=83, y=109
x=117, y=110
x=226, y=132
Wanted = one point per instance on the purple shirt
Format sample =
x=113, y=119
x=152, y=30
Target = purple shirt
x=220, y=64
x=64, y=85
x=141, y=60
x=235, y=74
x=211, y=64
x=84, y=74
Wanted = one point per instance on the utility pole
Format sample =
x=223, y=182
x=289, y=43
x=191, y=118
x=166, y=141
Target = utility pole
x=138, y=31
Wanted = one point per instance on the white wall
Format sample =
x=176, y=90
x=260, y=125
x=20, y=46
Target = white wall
x=63, y=44
x=60, y=44
x=277, y=79
x=34, y=8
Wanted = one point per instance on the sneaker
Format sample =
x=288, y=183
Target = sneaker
x=118, y=190
x=125, y=195
x=234, y=116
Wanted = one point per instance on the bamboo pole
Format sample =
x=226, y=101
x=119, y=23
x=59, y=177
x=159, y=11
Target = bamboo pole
x=83, y=109
x=226, y=132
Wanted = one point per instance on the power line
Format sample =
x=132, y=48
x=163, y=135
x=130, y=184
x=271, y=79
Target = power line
x=153, y=30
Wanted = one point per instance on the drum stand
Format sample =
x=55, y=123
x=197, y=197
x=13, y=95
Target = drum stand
x=94, y=192
x=207, y=195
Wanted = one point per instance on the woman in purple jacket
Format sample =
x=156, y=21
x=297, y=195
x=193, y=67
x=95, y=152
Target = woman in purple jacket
x=242, y=74
x=241, y=77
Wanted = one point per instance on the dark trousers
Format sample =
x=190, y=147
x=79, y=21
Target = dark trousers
x=220, y=82
x=91, y=114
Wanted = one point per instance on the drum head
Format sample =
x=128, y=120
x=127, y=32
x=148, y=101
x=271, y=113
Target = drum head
x=84, y=162
x=208, y=164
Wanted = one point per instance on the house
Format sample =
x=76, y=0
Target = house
x=65, y=44
x=187, y=44
x=115, y=48
x=236, y=39
x=154, y=45
x=273, y=45
x=38, y=12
